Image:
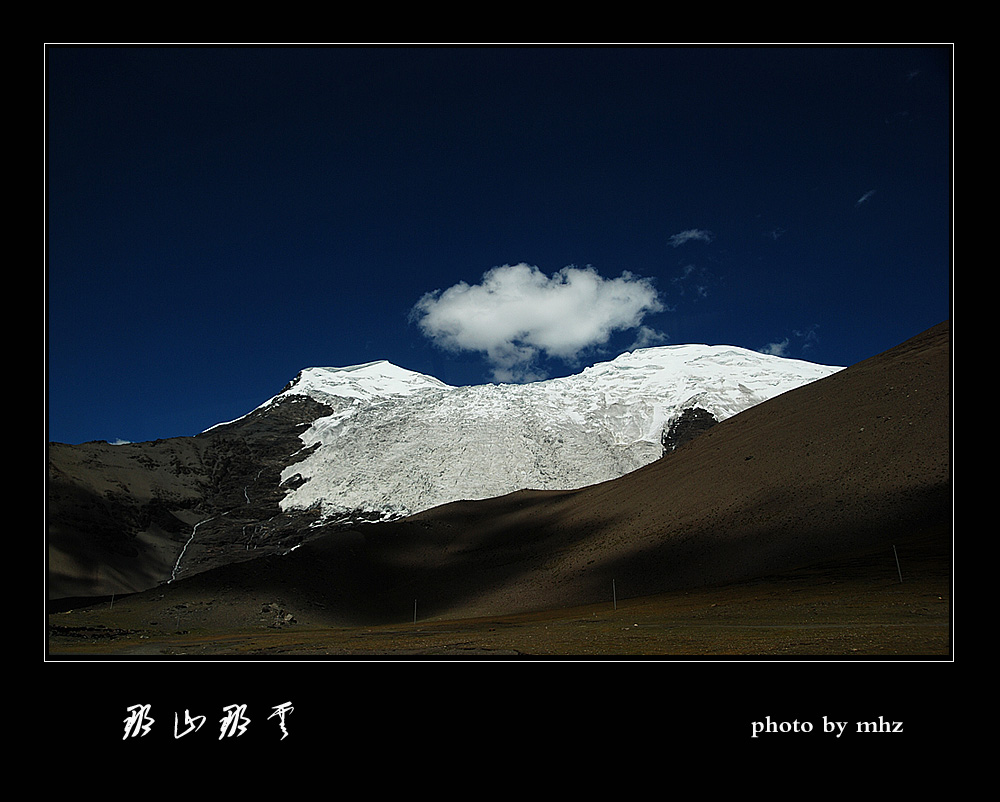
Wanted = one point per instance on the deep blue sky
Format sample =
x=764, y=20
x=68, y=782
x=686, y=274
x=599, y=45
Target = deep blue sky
x=219, y=218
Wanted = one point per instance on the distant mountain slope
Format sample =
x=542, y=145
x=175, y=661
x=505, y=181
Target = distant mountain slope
x=121, y=516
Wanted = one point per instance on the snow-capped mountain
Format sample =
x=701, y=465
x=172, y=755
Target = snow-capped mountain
x=342, y=446
x=398, y=442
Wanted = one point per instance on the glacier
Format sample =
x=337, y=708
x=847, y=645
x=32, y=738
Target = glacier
x=398, y=442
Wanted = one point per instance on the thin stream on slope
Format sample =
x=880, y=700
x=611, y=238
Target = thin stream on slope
x=177, y=565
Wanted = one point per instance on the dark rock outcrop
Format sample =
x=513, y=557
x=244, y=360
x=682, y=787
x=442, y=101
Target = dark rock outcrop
x=685, y=428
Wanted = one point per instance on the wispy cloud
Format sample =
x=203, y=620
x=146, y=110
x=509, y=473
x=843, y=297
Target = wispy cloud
x=779, y=348
x=804, y=340
x=691, y=235
x=517, y=314
x=693, y=279
x=648, y=337
x=864, y=198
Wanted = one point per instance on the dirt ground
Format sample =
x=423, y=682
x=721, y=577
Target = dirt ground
x=855, y=609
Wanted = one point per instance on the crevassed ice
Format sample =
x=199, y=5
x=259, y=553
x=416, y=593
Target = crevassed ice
x=407, y=442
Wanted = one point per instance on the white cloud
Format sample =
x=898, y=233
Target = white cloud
x=517, y=314
x=864, y=198
x=692, y=234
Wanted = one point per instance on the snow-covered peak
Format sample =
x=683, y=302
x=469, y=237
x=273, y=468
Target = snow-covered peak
x=668, y=368
x=366, y=382
x=347, y=388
